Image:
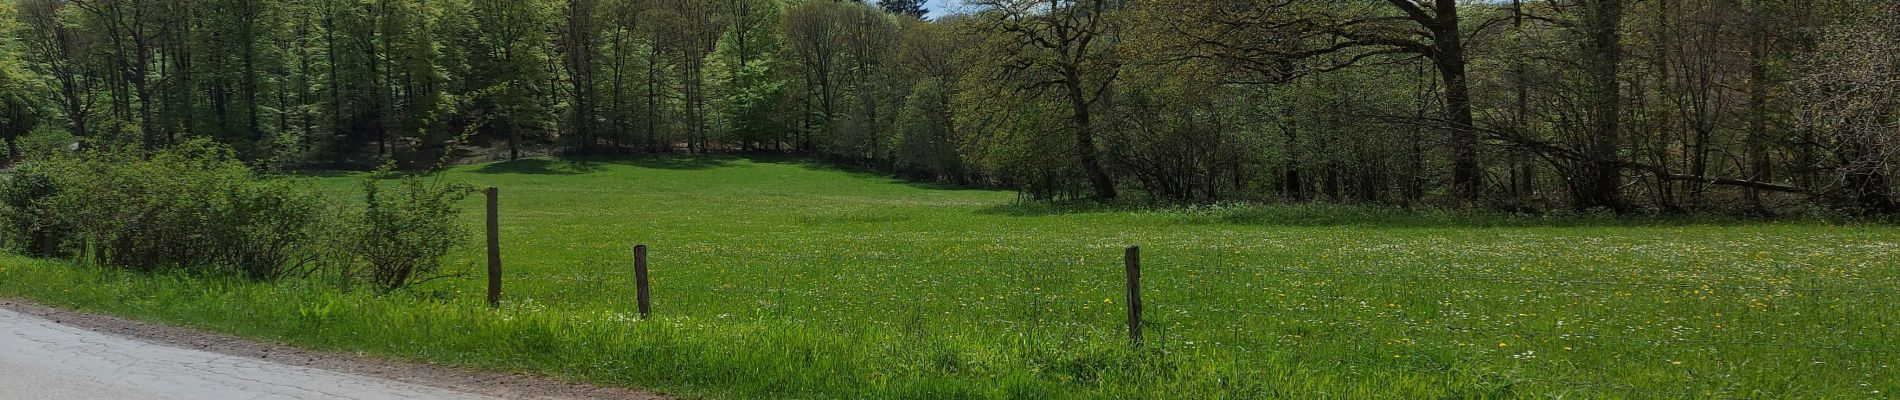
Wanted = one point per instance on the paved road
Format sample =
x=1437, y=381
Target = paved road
x=43, y=360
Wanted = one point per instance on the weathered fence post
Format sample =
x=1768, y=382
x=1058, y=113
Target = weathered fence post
x=494, y=249
x=1132, y=257
x=640, y=280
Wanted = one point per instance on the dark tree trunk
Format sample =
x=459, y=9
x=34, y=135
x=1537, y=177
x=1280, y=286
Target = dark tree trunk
x=1449, y=58
x=1099, y=181
x=1758, y=161
x=1294, y=186
x=1602, y=174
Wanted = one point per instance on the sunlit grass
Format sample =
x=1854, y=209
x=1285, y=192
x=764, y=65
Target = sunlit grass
x=779, y=279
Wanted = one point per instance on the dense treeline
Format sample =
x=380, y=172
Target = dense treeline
x=1755, y=106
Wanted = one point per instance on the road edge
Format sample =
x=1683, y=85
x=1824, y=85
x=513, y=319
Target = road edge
x=486, y=383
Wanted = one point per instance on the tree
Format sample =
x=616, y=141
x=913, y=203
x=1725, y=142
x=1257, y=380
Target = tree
x=689, y=31
x=1446, y=48
x=867, y=39
x=812, y=32
x=1268, y=41
x=1603, y=40
x=908, y=8
x=579, y=46
x=130, y=32
x=1853, y=99
x=927, y=55
x=1061, y=45
x=502, y=43
x=749, y=88
x=59, y=51
x=20, y=88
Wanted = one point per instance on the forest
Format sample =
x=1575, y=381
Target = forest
x=1757, y=107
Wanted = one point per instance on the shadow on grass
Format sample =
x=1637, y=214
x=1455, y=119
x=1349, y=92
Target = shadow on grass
x=324, y=173
x=1334, y=215
x=681, y=163
x=539, y=166
x=589, y=164
x=860, y=171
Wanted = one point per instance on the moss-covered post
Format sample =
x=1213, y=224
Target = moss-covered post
x=640, y=280
x=494, y=250
x=1132, y=260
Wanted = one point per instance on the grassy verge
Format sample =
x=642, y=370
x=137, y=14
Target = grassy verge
x=778, y=279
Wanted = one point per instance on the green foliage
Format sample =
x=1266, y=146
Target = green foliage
x=47, y=141
x=926, y=145
x=497, y=52
x=750, y=103
x=193, y=206
x=274, y=229
x=30, y=223
x=196, y=208
x=1189, y=101
x=22, y=109
x=1008, y=140
x=403, y=235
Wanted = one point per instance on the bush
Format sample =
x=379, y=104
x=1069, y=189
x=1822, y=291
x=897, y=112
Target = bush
x=197, y=208
x=404, y=234
x=274, y=230
x=29, y=222
x=194, y=207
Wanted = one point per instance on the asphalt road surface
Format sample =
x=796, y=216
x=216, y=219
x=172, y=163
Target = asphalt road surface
x=44, y=360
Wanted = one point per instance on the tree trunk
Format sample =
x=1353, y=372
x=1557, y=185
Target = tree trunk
x=1450, y=61
x=1758, y=162
x=1602, y=174
x=1295, y=188
x=1099, y=181
x=653, y=98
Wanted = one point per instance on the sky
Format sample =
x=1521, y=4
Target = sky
x=939, y=8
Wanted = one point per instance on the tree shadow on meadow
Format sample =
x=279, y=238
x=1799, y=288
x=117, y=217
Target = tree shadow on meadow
x=538, y=166
x=677, y=163
x=591, y=164
x=578, y=165
x=1333, y=215
x=862, y=172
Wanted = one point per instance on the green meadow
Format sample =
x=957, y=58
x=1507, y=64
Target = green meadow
x=776, y=278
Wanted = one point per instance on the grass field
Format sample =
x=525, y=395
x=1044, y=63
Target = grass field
x=780, y=279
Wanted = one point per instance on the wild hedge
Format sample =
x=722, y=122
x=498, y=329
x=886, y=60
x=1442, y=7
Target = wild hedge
x=197, y=208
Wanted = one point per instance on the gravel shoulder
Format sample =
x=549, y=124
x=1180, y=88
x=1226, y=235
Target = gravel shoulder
x=51, y=353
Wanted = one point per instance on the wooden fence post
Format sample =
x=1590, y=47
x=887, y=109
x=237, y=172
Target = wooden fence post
x=494, y=249
x=640, y=280
x=1132, y=259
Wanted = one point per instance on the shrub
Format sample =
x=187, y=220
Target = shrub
x=274, y=230
x=198, y=208
x=29, y=222
x=194, y=206
x=404, y=234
